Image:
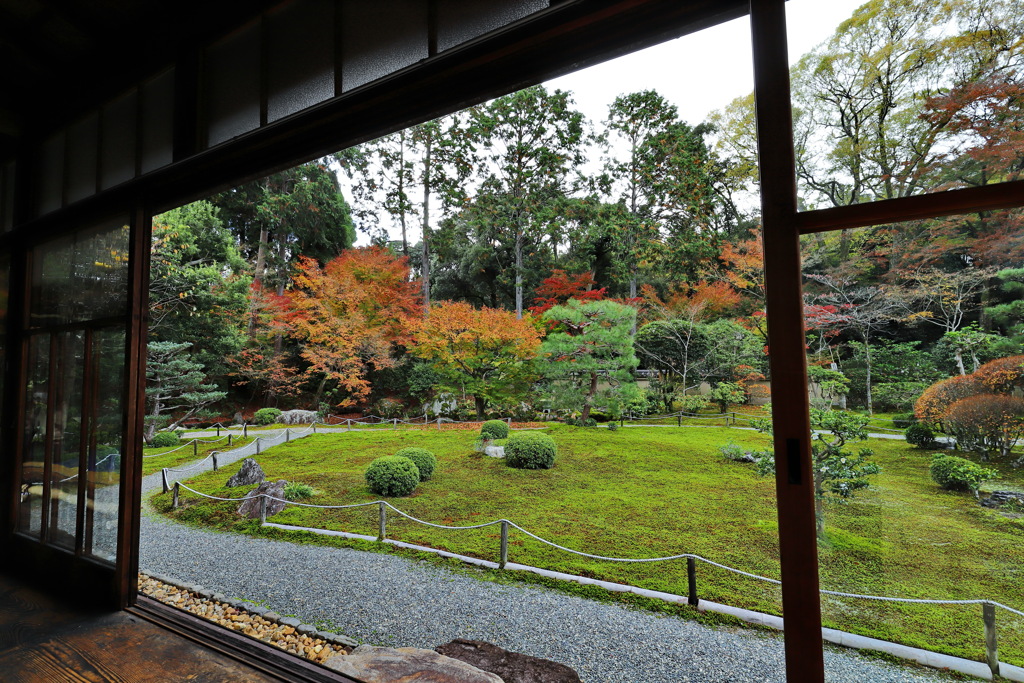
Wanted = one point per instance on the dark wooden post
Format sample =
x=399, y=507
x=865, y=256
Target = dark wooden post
x=382, y=522
x=691, y=582
x=176, y=497
x=195, y=448
x=229, y=441
x=163, y=477
x=504, y=544
x=784, y=298
x=263, y=509
x=214, y=456
x=991, y=645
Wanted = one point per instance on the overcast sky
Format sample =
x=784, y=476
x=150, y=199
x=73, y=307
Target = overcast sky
x=699, y=73
x=703, y=71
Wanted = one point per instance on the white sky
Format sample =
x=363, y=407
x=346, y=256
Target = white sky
x=693, y=72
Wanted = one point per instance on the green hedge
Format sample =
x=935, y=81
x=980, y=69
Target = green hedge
x=958, y=474
x=424, y=460
x=494, y=429
x=530, y=451
x=392, y=475
x=920, y=435
x=165, y=440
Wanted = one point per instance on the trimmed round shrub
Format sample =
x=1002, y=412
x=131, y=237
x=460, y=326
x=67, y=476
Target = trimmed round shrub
x=612, y=426
x=958, y=474
x=296, y=490
x=424, y=460
x=530, y=451
x=165, y=440
x=266, y=416
x=920, y=435
x=392, y=475
x=494, y=429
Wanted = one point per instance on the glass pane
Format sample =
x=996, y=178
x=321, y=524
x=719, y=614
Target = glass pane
x=915, y=341
x=80, y=277
x=462, y=20
x=37, y=393
x=906, y=98
x=300, y=43
x=66, y=438
x=381, y=38
x=232, y=85
x=105, y=442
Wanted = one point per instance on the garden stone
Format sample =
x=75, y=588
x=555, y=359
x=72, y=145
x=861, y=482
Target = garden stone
x=494, y=451
x=297, y=417
x=997, y=499
x=513, y=667
x=251, y=473
x=386, y=665
x=250, y=507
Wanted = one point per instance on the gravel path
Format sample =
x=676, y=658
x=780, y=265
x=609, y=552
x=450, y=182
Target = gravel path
x=389, y=600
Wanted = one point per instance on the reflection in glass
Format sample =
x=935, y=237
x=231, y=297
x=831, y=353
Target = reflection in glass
x=67, y=438
x=37, y=393
x=916, y=343
x=105, y=442
x=80, y=277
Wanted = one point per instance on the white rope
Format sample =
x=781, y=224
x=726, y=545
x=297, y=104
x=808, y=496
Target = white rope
x=442, y=526
x=206, y=495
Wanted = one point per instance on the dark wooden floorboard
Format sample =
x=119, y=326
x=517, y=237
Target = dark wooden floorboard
x=43, y=641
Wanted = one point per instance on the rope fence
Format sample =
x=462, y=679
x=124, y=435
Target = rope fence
x=383, y=506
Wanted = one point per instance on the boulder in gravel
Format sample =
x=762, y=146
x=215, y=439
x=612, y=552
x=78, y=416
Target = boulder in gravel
x=998, y=499
x=250, y=507
x=251, y=473
x=388, y=665
x=513, y=667
x=297, y=417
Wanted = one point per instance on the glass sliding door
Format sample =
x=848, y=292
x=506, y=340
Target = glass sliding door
x=74, y=398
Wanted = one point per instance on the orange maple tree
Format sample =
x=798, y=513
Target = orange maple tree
x=562, y=286
x=486, y=352
x=351, y=316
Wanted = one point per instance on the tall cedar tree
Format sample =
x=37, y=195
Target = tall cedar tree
x=530, y=143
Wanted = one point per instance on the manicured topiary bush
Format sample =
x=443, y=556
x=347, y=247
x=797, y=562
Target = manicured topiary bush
x=266, y=416
x=165, y=440
x=530, y=451
x=424, y=460
x=494, y=429
x=920, y=435
x=958, y=474
x=392, y=475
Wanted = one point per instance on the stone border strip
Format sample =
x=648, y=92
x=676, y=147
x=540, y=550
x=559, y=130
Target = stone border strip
x=329, y=643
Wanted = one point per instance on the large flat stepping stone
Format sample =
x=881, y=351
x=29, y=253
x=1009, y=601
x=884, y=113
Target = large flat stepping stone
x=406, y=664
x=513, y=667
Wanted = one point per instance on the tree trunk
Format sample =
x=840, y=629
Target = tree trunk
x=867, y=372
x=481, y=407
x=958, y=355
x=519, y=274
x=257, y=280
x=425, y=256
x=819, y=506
x=590, y=397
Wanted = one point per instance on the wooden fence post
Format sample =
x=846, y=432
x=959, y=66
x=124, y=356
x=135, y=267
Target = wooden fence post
x=396, y=423
x=504, y=544
x=218, y=430
x=438, y=423
x=163, y=473
x=229, y=440
x=679, y=419
x=174, y=500
x=214, y=456
x=195, y=448
x=991, y=646
x=263, y=509
x=287, y=435
x=691, y=580
x=258, y=445
x=245, y=430
x=382, y=527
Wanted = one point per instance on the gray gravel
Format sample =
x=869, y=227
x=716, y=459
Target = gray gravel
x=389, y=600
